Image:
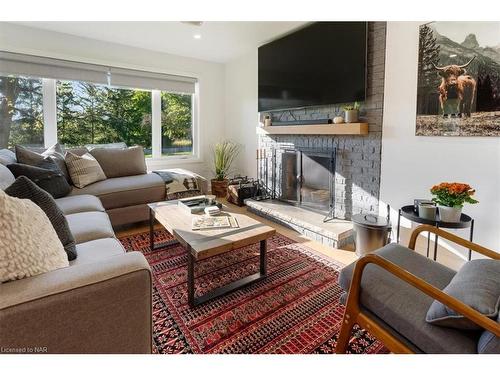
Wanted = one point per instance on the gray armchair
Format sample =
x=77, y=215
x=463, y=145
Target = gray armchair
x=391, y=290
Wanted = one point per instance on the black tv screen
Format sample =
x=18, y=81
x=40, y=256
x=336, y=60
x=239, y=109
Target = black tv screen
x=323, y=63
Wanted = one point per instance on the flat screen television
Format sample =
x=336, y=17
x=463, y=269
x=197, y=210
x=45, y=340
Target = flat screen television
x=320, y=64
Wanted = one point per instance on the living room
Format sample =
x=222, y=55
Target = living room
x=232, y=186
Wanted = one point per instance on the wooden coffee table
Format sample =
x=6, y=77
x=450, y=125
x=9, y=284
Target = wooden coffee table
x=202, y=244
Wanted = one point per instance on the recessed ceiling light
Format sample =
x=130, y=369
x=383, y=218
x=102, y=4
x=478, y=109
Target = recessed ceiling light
x=197, y=36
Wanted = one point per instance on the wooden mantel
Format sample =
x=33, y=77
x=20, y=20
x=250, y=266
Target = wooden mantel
x=357, y=128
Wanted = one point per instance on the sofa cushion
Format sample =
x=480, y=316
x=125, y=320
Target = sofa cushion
x=7, y=157
x=489, y=343
x=84, y=170
x=477, y=284
x=88, y=226
x=23, y=188
x=404, y=307
x=97, y=250
x=116, y=162
x=126, y=191
x=28, y=243
x=79, y=203
x=6, y=177
x=49, y=179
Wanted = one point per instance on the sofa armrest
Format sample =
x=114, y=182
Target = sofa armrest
x=103, y=307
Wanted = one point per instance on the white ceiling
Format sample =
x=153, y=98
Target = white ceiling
x=219, y=42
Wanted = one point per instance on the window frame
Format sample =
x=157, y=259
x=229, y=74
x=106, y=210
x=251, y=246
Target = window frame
x=49, y=90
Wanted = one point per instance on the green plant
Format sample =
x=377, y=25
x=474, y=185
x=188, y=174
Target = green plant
x=224, y=154
x=351, y=107
x=453, y=194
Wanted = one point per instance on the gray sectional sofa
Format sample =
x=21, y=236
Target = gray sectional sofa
x=101, y=303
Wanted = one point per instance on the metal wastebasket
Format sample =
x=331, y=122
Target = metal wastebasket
x=371, y=232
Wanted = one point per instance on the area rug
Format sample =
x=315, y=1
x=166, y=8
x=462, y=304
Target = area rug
x=295, y=310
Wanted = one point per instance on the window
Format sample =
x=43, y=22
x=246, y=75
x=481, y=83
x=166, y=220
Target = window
x=176, y=124
x=21, y=112
x=44, y=100
x=88, y=113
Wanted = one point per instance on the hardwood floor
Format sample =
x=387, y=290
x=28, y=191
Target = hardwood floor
x=343, y=256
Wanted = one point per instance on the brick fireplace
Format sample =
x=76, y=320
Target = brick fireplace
x=357, y=167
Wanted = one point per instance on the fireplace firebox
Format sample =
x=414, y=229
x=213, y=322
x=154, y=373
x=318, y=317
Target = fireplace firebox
x=306, y=178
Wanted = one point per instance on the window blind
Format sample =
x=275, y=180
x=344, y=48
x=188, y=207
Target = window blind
x=44, y=67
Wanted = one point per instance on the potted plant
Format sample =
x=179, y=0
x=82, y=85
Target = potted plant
x=351, y=112
x=224, y=154
x=450, y=198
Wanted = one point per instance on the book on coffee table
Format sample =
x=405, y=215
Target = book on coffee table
x=213, y=222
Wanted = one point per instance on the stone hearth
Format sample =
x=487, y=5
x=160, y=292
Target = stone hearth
x=336, y=233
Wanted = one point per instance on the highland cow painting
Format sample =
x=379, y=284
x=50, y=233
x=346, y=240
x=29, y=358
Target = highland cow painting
x=459, y=79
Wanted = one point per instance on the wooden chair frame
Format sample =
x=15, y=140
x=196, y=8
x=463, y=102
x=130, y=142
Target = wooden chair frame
x=354, y=315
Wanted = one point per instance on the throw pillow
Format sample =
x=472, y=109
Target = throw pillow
x=24, y=188
x=7, y=157
x=50, y=180
x=117, y=162
x=28, y=243
x=84, y=170
x=28, y=157
x=477, y=284
x=56, y=153
x=6, y=177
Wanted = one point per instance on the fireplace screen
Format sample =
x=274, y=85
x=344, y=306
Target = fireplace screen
x=307, y=179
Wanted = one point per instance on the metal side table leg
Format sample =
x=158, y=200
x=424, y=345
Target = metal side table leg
x=471, y=236
x=436, y=238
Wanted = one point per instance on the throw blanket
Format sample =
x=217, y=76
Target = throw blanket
x=179, y=183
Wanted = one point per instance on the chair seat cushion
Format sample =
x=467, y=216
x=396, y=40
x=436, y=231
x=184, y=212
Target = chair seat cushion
x=79, y=203
x=403, y=307
x=97, y=250
x=126, y=191
x=88, y=226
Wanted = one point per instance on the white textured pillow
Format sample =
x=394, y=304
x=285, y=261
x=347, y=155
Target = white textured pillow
x=84, y=170
x=28, y=243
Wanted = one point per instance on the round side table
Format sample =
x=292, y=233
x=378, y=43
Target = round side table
x=408, y=212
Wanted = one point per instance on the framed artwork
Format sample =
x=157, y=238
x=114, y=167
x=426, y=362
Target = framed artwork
x=458, y=91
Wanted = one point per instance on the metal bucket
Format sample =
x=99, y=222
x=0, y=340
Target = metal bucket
x=371, y=232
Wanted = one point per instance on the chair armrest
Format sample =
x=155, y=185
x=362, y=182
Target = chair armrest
x=102, y=307
x=425, y=287
x=453, y=238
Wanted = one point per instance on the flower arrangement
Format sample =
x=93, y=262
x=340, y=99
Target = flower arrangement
x=453, y=194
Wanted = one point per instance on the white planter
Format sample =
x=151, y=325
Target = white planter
x=351, y=116
x=450, y=214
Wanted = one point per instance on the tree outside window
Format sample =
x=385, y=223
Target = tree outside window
x=21, y=112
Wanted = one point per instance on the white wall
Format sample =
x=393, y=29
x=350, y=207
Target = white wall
x=411, y=165
x=241, y=110
x=16, y=38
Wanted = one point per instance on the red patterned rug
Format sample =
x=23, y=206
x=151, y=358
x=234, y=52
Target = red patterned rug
x=295, y=310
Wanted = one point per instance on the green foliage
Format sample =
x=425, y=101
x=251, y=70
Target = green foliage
x=21, y=115
x=351, y=107
x=88, y=114
x=453, y=194
x=224, y=154
x=176, y=116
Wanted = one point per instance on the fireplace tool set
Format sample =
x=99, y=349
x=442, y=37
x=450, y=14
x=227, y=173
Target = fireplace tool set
x=263, y=190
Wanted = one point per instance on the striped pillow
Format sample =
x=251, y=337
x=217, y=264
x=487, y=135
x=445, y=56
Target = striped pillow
x=84, y=170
